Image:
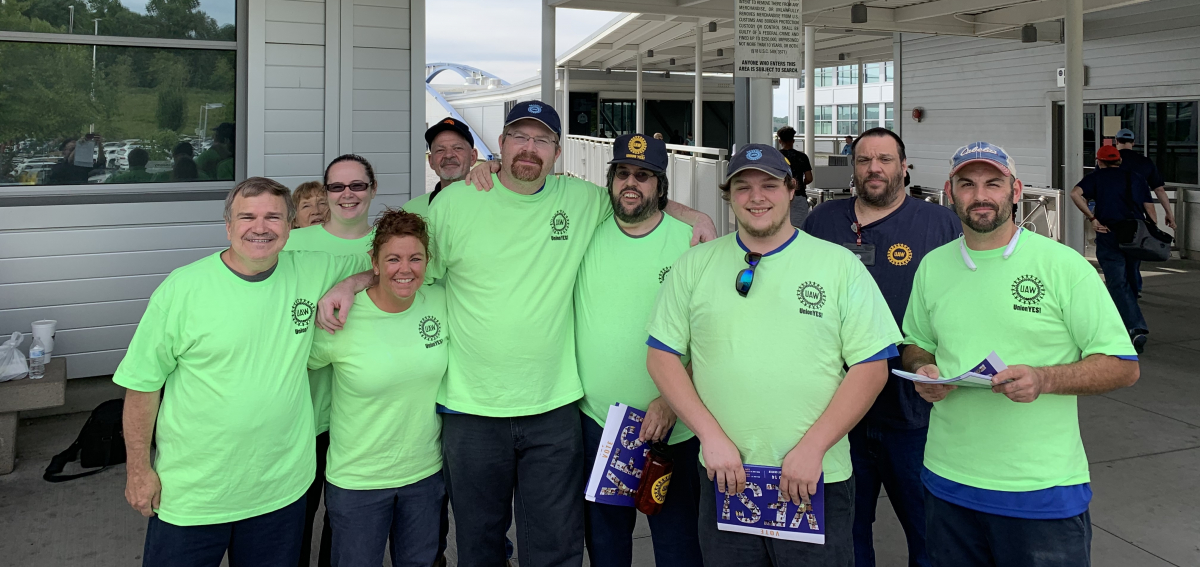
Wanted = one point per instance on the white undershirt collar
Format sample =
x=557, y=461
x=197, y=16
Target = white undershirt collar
x=1008, y=250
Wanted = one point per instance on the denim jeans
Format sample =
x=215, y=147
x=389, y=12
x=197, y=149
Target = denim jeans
x=608, y=529
x=312, y=504
x=1120, y=277
x=266, y=540
x=732, y=549
x=364, y=520
x=961, y=537
x=891, y=458
x=538, y=456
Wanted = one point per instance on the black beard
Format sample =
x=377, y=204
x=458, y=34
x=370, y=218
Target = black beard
x=1003, y=214
x=643, y=211
x=769, y=231
x=895, y=186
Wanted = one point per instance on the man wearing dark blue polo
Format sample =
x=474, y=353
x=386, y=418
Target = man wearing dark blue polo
x=890, y=232
x=1140, y=164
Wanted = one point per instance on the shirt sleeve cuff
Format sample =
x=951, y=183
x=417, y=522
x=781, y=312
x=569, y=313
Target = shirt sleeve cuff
x=890, y=352
x=658, y=345
x=1132, y=357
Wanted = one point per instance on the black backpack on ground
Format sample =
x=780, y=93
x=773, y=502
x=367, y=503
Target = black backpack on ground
x=101, y=443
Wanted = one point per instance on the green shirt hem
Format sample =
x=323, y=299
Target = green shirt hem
x=485, y=411
x=186, y=520
x=392, y=483
x=988, y=484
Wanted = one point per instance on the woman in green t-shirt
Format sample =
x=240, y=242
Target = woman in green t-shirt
x=384, y=474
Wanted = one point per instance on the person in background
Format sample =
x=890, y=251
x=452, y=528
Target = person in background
x=1144, y=166
x=66, y=171
x=691, y=139
x=847, y=147
x=349, y=187
x=311, y=206
x=1005, y=474
x=221, y=149
x=1120, y=194
x=384, y=474
x=801, y=174
x=658, y=136
x=138, y=158
x=452, y=154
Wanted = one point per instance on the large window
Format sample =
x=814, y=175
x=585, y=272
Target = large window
x=800, y=120
x=887, y=116
x=617, y=117
x=873, y=72
x=1171, y=140
x=888, y=75
x=847, y=119
x=823, y=76
x=823, y=119
x=847, y=75
x=82, y=101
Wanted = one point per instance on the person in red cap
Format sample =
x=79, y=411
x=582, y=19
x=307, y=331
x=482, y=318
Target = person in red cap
x=1119, y=194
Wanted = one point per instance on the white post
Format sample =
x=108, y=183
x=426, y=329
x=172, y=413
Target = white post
x=566, y=99
x=640, y=118
x=897, y=83
x=810, y=90
x=548, y=53
x=862, y=77
x=698, y=102
x=761, y=107
x=1073, y=229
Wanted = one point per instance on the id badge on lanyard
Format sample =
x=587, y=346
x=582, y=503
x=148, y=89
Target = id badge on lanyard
x=864, y=252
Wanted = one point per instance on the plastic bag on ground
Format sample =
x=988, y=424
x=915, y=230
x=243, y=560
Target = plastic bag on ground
x=12, y=361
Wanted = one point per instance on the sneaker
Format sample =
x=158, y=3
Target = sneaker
x=1139, y=342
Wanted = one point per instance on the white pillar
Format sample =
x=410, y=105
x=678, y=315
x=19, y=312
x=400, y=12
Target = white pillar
x=1073, y=229
x=761, y=107
x=548, y=62
x=565, y=112
x=640, y=117
x=897, y=83
x=862, y=77
x=810, y=90
x=698, y=102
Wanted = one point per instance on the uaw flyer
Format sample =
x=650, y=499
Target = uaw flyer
x=763, y=510
x=620, y=458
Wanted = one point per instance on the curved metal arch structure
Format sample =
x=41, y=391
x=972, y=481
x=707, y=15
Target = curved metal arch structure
x=471, y=75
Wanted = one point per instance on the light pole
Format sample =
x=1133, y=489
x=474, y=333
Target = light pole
x=71, y=20
x=97, y=32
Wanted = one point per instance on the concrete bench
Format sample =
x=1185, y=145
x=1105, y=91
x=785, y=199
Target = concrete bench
x=25, y=394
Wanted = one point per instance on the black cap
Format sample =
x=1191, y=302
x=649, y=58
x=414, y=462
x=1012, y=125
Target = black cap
x=762, y=157
x=453, y=125
x=636, y=149
x=536, y=110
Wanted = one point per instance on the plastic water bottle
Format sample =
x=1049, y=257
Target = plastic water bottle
x=37, y=355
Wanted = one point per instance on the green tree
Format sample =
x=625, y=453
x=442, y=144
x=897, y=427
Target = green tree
x=170, y=108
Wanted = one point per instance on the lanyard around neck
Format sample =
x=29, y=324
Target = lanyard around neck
x=1008, y=250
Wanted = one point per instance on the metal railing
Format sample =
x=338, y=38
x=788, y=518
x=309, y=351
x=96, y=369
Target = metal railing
x=693, y=172
x=1040, y=209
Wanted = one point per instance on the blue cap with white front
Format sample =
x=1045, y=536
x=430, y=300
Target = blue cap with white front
x=983, y=152
x=536, y=110
x=762, y=157
x=1125, y=134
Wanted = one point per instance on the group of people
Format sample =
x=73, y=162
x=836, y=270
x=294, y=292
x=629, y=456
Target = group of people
x=462, y=353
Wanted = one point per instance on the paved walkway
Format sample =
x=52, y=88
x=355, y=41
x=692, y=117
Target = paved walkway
x=1143, y=443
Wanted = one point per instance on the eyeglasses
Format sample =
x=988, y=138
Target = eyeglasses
x=745, y=278
x=357, y=187
x=539, y=143
x=641, y=176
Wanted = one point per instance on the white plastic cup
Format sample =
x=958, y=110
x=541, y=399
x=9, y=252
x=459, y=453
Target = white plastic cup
x=45, y=330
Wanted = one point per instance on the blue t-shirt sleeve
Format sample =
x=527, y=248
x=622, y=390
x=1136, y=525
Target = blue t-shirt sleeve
x=1088, y=184
x=659, y=345
x=1141, y=190
x=890, y=352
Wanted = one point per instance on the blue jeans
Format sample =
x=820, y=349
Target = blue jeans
x=266, y=540
x=732, y=549
x=961, y=537
x=540, y=457
x=608, y=529
x=891, y=458
x=1120, y=277
x=363, y=520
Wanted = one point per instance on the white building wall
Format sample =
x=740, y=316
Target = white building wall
x=294, y=113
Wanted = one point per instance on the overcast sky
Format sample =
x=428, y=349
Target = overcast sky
x=508, y=38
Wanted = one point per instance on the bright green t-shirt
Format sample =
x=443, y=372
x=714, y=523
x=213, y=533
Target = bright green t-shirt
x=618, y=281
x=387, y=368
x=509, y=263
x=316, y=239
x=767, y=365
x=234, y=433
x=418, y=205
x=1042, y=306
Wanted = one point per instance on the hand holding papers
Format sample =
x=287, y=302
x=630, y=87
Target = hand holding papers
x=620, y=459
x=763, y=509
x=980, y=376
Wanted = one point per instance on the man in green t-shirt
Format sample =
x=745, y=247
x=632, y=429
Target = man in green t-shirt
x=1006, y=478
x=783, y=365
x=224, y=344
x=508, y=259
x=623, y=268
x=452, y=153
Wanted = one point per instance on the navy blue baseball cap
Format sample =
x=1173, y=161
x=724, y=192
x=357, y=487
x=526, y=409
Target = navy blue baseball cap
x=762, y=157
x=637, y=149
x=536, y=110
x=450, y=124
x=983, y=152
x=1125, y=134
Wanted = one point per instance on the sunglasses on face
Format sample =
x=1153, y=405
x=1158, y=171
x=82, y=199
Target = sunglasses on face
x=745, y=278
x=640, y=176
x=357, y=187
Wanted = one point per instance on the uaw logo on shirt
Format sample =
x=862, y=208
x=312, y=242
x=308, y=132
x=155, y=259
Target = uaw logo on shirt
x=431, y=331
x=559, y=223
x=812, y=298
x=662, y=275
x=302, y=314
x=637, y=148
x=1028, y=291
x=899, y=254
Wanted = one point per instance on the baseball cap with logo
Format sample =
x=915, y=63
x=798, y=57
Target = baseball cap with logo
x=1108, y=153
x=986, y=153
x=637, y=149
x=1125, y=134
x=537, y=110
x=762, y=157
x=450, y=124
